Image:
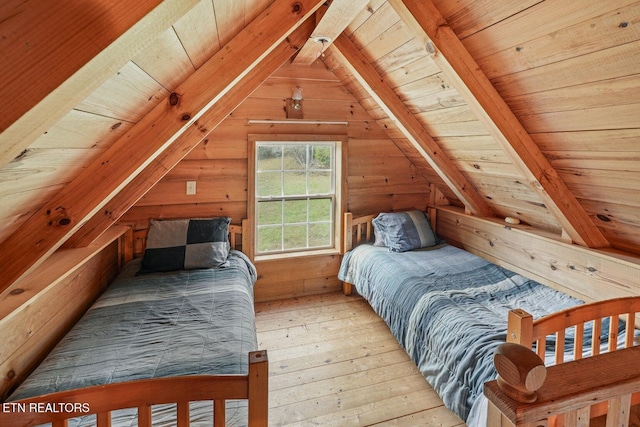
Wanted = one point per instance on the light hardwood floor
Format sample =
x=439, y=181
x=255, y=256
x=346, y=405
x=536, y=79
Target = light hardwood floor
x=334, y=362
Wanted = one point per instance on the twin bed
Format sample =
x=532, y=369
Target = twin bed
x=449, y=308
x=168, y=343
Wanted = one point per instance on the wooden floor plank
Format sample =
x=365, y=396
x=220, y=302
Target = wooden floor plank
x=334, y=362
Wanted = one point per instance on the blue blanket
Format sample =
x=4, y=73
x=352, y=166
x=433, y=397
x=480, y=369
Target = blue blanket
x=448, y=309
x=193, y=322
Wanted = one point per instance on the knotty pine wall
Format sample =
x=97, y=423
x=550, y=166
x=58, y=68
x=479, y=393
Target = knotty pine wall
x=37, y=310
x=379, y=176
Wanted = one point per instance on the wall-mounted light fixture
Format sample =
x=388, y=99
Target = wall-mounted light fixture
x=294, y=104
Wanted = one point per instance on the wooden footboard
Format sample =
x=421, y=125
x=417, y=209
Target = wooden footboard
x=599, y=394
x=57, y=408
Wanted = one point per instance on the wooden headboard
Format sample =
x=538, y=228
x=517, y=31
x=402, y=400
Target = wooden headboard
x=359, y=230
x=237, y=235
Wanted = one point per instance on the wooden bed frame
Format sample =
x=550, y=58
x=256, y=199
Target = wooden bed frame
x=613, y=391
x=58, y=408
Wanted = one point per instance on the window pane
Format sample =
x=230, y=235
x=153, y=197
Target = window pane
x=320, y=183
x=320, y=234
x=295, y=157
x=320, y=210
x=270, y=212
x=295, y=211
x=295, y=184
x=269, y=184
x=269, y=157
x=269, y=239
x=295, y=236
x=321, y=156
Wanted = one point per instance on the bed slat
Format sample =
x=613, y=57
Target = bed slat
x=219, y=413
x=613, y=332
x=144, y=416
x=183, y=414
x=628, y=330
x=595, y=337
x=560, y=336
x=103, y=419
x=579, y=341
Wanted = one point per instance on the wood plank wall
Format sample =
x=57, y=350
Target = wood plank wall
x=379, y=177
x=586, y=274
x=49, y=301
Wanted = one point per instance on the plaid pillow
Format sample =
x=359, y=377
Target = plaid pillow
x=405, y=231
x=186, y=244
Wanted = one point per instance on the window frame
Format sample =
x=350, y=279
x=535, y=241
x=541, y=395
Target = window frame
x=339, y=195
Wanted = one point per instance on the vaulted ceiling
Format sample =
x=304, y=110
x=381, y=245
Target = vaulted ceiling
x=528, y=109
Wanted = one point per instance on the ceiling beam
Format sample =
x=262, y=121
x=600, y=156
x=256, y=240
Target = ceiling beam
x=53, y=55
x=459, y=67
x=332, y=23
x=112, y=211
x=357, y=64
x=89, y=192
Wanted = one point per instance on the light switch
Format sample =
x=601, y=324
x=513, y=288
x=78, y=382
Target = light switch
x=191, y=188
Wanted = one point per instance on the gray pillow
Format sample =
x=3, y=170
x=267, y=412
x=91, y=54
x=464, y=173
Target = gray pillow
x=405, y=231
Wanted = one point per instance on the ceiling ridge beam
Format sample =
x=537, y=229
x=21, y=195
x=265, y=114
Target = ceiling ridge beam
x=143, y=182
x=330, y=24
x=440, y=41
x=27, y=117
x=375, y=85
x=59, y=218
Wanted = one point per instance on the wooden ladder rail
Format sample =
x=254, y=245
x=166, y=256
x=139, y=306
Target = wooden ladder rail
x=524, y=330
x=569, y=391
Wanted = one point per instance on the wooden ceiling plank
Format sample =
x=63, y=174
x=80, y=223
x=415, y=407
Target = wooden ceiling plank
x=354, y=61
x=88, y=193
x=169, y=158
x=67, y=72
x=428, y=25
x=334, y=21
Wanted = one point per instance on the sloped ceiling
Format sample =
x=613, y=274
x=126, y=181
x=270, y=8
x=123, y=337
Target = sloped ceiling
x=526, y=109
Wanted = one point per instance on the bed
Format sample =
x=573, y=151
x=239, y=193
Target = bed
x=447, y=307
x=163, y=345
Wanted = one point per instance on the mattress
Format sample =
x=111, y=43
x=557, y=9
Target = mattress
x=189, y=322
x=448, y=308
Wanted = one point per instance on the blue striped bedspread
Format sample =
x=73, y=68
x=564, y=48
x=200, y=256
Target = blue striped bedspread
x=448, y=309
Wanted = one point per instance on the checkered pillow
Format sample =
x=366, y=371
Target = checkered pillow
x=186, y=244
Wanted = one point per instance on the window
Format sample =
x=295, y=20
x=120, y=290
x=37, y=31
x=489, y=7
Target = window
x=296, y=192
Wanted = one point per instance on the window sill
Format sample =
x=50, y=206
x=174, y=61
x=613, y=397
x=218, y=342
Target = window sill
x=286, y=255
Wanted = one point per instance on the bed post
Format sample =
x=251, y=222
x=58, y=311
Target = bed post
x=520, y=328
x=258, y=389
x=347, y=244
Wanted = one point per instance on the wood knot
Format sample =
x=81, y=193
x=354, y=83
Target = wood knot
x=11, y=374
x=431, y=48
x=64, y=221
x=16, y=291
x=174, y=98
x=186, y=117
x=296, y=8
x=603, y=218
